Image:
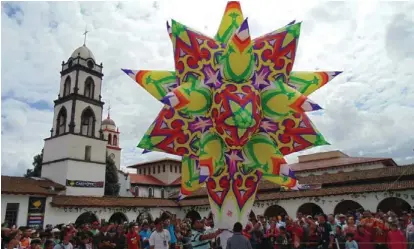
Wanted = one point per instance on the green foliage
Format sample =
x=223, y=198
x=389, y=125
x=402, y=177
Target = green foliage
x=37, y=166
x=112, y=185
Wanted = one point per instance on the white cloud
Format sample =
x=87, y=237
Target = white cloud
x=369, y=109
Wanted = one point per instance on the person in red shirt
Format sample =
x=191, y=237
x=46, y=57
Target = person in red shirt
x=395, y=238
x=133, y=238
x=380, y=234
x=272, y=233
x=364, y=238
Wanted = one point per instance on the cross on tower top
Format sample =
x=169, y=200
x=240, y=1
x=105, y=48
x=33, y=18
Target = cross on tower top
x=109, y=111
x=84, y=39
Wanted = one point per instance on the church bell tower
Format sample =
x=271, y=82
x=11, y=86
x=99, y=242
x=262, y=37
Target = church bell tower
x=75, y=153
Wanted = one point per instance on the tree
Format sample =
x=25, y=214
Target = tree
x=37, y=166
x=112, y=186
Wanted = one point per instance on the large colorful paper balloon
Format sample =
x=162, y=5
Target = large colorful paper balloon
x=233, y=110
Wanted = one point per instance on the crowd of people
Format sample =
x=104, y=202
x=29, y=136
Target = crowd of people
x=358, y=230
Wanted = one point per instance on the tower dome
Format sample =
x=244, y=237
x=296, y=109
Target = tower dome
x=108, y=121
x=84, y=52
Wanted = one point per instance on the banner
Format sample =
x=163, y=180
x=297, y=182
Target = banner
x=36, y=212
x=84, y=184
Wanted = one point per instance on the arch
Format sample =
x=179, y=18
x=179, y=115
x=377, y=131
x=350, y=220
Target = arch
x=110, y=138
x=274, y=211
x=193, y=215
x=88, y=122
x=395, y=204
x=61, y=121
x=66, y=86
x=162, y=193
x=346, y=206
x=144, y=216
x=86, y=218
x=118, y=218
x=150, y=192
x=115, y=140
x=89, y=87
x=310, y=209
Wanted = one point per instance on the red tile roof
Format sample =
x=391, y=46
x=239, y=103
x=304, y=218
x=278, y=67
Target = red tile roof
x=29, y=186
x=338, y=162
x=106, y=201
x=346, y=177
x=310, y=162
x=342, y=190
x=176, y=182
x=138, y=165
x=145, y=180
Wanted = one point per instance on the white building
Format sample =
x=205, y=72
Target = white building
x=74, y=162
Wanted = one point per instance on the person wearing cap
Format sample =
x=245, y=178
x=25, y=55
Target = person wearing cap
x=160, y=238
x=199, y=240
x=133, y=238
x=324, y=230
x=145, y=234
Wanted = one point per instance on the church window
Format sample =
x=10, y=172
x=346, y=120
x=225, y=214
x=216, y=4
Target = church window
x=150, y=192
x=66, y=87
x=175, y=168
x=162, y=193
x=153, y=170
x=88, y=149
x=88, y=122
x=12, y=210
x=115, y=140
x=145, y=171
x=89, y=87
x=163, y=168
x=109, y=139
x=61, y=122
x=159, y=169
x=90, y=64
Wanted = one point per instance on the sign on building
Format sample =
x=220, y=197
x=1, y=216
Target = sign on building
x=36, y=212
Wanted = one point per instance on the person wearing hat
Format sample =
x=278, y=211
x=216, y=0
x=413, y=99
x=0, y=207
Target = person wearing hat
x=199, y=240
x=160, y=238
x=56, y=235
x=342, y=220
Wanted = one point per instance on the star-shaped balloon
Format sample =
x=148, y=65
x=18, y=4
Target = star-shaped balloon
x=233, y=110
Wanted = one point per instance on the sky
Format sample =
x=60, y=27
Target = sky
x=368, y=110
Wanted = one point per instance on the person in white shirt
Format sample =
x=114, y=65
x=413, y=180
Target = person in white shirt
x=160, y=238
